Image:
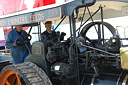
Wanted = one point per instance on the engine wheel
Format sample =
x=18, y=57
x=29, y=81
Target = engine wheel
x=98, y=25
x=24, y=74
x=97, y=39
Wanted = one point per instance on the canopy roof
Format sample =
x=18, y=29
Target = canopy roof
x=50, y=12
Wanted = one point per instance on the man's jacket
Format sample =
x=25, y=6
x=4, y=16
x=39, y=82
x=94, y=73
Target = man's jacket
x=19, y=52
x=48, y=36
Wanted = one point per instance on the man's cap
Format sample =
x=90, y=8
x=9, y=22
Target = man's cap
x=48, y=22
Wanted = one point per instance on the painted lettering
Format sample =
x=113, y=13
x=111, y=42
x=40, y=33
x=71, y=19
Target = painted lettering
x=52, y=13
x=2, y=22
x=42, y=16
x=31, y=20
x=37, y=17
x=25, y=19
x=18, y=20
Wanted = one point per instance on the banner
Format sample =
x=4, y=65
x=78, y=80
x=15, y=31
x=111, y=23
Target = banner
x=38, y=16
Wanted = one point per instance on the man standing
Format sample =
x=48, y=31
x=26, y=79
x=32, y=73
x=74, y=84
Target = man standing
x=19, y=52
x=48, y=34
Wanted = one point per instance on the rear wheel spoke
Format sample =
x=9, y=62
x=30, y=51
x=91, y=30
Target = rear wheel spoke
x=18, y=79
x=7, y=82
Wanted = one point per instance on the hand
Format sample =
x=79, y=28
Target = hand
x=26, y=41
x=15, y=44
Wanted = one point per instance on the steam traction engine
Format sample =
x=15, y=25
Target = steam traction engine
x=78, y=60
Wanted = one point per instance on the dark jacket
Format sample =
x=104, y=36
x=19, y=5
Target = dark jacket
x=48, y=36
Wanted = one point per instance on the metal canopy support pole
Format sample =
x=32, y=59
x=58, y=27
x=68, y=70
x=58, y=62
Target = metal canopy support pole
x=73, y=34
x=73, y=27
x=12, y=27
x=71, y=59
x=30, y=29
x=74, y=48
x=39, y=31
x=102, y=23
x=99, y=32
x=60, y=22
x=70, y=28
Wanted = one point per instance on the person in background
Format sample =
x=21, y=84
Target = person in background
x=51, y=35
x=19, y=51
x=48, y=34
